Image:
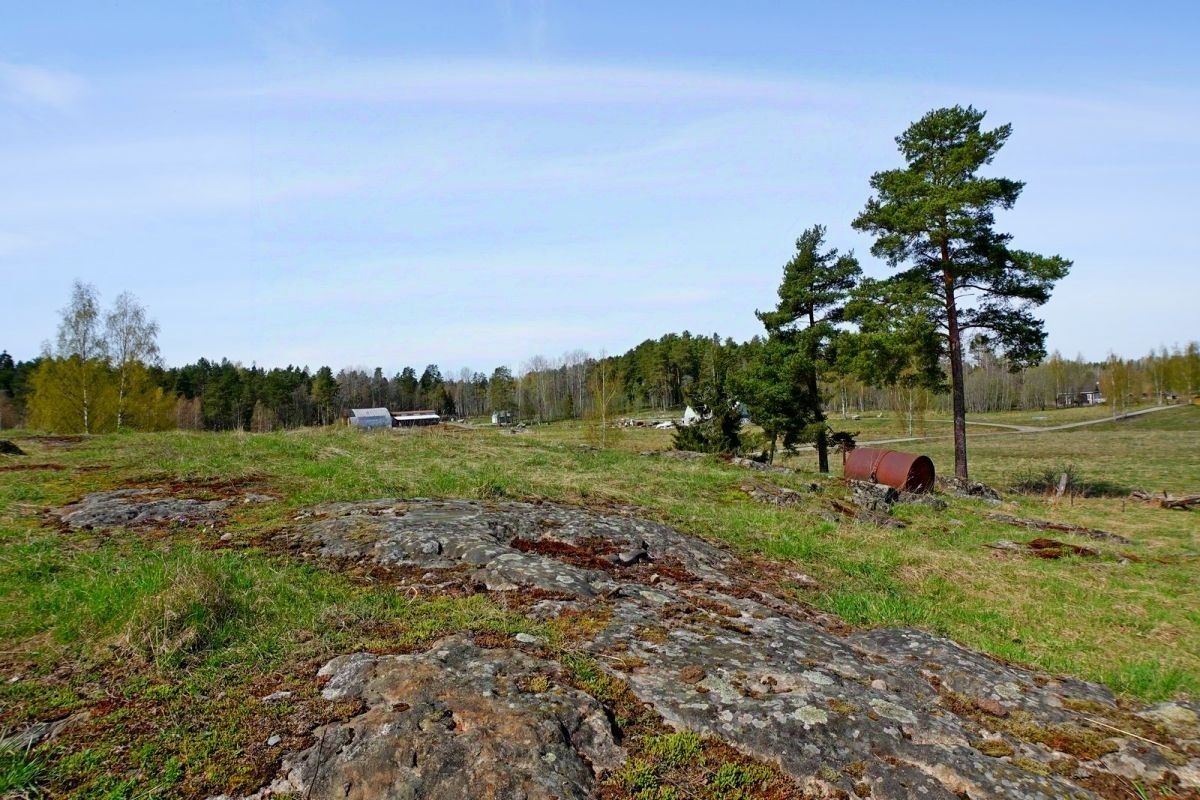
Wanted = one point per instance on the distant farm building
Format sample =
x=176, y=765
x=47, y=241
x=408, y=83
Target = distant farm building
x=1069, y=399
x=370, y=418
x=415, y=419
x=502, y=418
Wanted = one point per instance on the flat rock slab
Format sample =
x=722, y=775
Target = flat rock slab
x=897, y=712
x=451, y=723
x=554, y=548
x=132, y=508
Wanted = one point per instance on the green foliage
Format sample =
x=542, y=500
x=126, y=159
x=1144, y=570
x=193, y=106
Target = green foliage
x=674, y=749
x=501, y=390
x=719, y=426
x=730, y=779
x=937, y=215
x=324, y=393
x=19, y=773
x=898, y=340
x=186, y=617
x=774, y=384
x=812, y=294
x=780, y=382
x=1045, y=480
x=682, y=764
x=73, y=395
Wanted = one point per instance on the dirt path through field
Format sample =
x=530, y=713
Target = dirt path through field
x=1022, y=429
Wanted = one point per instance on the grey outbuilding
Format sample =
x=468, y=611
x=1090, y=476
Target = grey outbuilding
x=370, y=418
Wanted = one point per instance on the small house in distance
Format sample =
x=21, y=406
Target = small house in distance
x=1070, y=399
x=415, y=419
x=370, y=418
x=502, y=418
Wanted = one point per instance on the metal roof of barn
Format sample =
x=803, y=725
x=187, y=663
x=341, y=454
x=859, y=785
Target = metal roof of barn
x=370, y=412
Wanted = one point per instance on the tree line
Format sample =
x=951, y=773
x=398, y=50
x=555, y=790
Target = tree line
x=658, y=375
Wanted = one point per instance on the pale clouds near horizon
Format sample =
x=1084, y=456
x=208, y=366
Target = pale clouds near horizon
x=28, y=84
x=472, y=212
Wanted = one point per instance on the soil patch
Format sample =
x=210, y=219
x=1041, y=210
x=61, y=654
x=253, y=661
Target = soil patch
x=1045, y=548
x=54, y=441
x=32, y=468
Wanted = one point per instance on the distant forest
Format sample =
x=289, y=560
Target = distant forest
x=656, y=375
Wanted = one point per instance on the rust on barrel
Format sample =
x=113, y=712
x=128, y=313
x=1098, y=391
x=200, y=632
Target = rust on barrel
x=906, y=472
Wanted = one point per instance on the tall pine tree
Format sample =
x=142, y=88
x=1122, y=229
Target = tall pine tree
x=935, y=218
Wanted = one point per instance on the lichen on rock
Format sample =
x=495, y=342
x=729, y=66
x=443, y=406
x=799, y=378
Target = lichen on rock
x=454, y=722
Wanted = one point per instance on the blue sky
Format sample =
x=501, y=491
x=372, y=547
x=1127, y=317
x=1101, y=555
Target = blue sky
x=472, y=184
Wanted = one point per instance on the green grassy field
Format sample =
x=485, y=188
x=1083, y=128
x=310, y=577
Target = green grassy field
x=166, y=638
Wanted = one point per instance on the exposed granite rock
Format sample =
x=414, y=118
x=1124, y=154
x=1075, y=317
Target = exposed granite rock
x=776, y=495
x=451, y=723
x=511, y=545
x=131, y=508
x=897, y=712
x=926, y=499
x=138, y=507
x=760, y=466
x=785, y=690
x=972, y=489
x=877, y=497
x=873, y=496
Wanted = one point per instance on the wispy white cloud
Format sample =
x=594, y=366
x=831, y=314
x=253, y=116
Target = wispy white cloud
x=28, y=83
x=12, y=244
x=512, y=83
x=527, y=24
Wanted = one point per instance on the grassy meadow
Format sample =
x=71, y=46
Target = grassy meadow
x=161, y=642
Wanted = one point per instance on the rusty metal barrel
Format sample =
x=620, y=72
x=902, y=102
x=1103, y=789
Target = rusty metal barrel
x=906, y=472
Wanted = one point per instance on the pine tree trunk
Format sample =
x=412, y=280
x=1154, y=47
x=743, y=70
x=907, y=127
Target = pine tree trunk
x=822, y=442
x=956, y=375
x=814, y=392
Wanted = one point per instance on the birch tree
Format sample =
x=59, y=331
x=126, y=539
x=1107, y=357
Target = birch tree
x=84, y=351
x=132, y=340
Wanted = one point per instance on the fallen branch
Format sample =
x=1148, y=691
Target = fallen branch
x=1044, y=548
x=1165, y=500
x=1064, y=527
